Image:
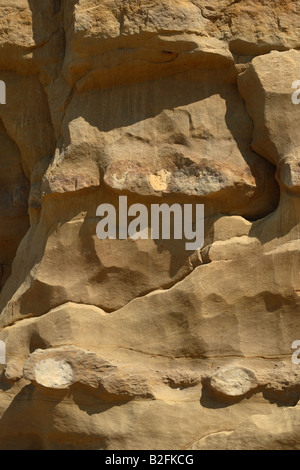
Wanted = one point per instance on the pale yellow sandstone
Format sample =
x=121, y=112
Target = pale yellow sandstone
x=140, y=344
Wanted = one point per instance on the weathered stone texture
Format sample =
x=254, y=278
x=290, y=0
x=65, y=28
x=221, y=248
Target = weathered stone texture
x=140, y=344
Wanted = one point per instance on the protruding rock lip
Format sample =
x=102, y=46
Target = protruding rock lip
x=233, y=383
x=288, y=173
x=62, y=367
x=156, y=56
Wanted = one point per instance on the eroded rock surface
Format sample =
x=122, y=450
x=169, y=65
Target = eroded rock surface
x=141, y=344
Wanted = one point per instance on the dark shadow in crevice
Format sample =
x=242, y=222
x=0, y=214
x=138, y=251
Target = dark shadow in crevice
x=288, y=397
x=95, y=401
x=14, y=191
x=29, y=422
x=212, y=399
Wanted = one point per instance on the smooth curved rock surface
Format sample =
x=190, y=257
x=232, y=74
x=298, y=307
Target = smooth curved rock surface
x=140, y=344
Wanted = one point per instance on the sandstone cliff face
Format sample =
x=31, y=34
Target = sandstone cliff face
x=141, y=344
